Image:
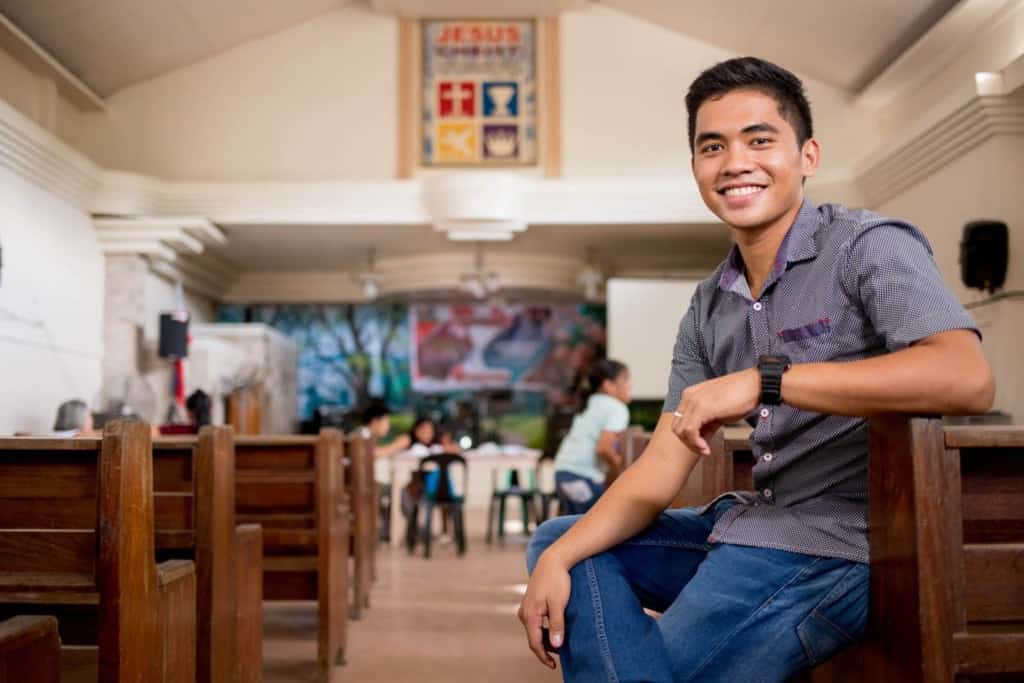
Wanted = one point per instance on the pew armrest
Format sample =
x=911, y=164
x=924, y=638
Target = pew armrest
x=30, y=649
x=176, y=622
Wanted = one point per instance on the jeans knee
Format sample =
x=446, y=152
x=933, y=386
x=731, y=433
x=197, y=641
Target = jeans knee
x=545, y=535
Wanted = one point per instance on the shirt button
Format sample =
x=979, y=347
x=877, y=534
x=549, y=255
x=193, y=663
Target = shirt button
x=768, y=458
x=757, y=305
x=765, y=412
x=767, y=493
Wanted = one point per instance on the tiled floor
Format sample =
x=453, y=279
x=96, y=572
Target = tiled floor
x=443, y=619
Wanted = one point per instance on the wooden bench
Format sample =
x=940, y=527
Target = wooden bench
x=76, y=541
x=364, y=498
x=293, y=486
x=946, y=510
x=249, y=581
x=29, y=650
x=947, y=552
x=194, y=500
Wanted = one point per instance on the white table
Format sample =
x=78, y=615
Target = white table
x=481, y=465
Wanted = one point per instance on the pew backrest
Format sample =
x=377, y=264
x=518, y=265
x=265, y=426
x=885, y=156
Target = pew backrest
x=76, y=525
x=194, y=499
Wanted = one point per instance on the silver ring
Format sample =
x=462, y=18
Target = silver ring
x=677, y=413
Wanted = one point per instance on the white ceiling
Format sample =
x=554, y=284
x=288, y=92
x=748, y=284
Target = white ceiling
x=111, y=44
x=616, y=247
x=842, y=43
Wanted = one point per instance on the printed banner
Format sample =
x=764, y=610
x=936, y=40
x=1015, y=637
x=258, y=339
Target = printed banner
x=479, y=93
x=529, y=347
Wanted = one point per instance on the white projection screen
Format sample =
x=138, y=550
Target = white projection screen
x=643, y=318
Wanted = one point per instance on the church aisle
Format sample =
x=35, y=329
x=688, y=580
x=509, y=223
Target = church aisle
x=442, y=619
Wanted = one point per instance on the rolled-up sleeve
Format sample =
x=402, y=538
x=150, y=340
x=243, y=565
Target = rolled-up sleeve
x=689, y=364
x=891, y=271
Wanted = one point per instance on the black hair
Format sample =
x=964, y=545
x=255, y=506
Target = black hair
x=416, y=425
x=374, y=409
x=200, y=405
x=603, y=369
x=751, y=73
x=70, y=415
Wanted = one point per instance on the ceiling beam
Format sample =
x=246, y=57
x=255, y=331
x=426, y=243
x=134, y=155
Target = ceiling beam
x=42, y=63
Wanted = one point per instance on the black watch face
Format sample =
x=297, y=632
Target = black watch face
x=784, y=360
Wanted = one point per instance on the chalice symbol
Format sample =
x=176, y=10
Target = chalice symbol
x=501, y=96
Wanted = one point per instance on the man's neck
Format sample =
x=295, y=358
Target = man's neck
x=759, y=246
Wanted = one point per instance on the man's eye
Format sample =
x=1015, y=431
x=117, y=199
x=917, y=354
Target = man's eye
x=762, y=141
x=713, y=147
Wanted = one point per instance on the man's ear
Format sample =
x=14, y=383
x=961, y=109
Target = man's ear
x=810, y=157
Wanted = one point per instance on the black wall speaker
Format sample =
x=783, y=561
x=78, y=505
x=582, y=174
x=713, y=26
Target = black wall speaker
x=173, y=335
x=984, y=252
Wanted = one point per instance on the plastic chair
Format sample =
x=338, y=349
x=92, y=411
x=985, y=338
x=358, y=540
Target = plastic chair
x=500, y=493
x=438, y=492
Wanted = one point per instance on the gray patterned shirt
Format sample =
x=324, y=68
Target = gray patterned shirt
x=845, y=285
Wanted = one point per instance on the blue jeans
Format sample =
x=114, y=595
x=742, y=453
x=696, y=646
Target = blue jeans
x=729, y=612
x=569, y=487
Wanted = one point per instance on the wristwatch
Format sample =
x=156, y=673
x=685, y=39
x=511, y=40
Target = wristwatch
x=771, y=369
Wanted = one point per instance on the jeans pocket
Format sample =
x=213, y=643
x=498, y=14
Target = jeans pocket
x=839, y=619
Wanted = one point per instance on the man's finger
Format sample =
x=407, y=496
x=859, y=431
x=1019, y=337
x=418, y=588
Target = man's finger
x=556, y=624
x=693, y=440
x=534, y=623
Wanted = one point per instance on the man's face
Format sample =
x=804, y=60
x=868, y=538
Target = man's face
x=746, y=159
x=381, y=426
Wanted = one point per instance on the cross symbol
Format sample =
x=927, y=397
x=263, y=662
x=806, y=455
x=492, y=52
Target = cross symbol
x=456, y=95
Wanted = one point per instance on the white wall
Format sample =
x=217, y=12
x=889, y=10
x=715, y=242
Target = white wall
x=643, y=320
x=624, y=82
x=315, y=101
x=319, y=101
x=984, y=183
x=51, y=306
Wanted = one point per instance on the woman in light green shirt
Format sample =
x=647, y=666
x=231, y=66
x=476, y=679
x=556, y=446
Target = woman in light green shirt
x=589, y=447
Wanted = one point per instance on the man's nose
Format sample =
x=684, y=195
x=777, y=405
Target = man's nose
x=737, y=160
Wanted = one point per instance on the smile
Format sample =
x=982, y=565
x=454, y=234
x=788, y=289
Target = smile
x=741, y=191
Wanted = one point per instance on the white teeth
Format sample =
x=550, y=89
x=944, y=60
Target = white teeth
x=740, y=191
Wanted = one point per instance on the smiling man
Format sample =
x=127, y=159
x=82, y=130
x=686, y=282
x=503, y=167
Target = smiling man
x=819, y=317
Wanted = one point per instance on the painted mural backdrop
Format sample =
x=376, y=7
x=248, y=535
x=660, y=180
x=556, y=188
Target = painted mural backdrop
x=403, y=353
x=347, y=352
x=479, y=93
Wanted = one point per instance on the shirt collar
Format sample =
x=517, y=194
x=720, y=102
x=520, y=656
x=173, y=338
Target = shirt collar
x=798, y=245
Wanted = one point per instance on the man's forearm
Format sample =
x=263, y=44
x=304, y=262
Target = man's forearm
x=947, y=374
x=639, y=495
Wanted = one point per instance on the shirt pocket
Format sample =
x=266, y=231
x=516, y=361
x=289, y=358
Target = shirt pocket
x=809, y=342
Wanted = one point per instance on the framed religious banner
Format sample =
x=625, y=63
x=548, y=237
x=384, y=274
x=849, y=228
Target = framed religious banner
x=479, y=93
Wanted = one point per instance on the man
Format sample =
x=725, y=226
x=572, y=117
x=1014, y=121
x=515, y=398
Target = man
x=376, y=423
x=819, y=316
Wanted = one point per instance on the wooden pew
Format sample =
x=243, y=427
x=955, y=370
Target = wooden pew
x=29, y=650
x=363, y=494
x=194, y=494
x=76, y=541
x=293, y=486
x=947, y=552
x=249, y=581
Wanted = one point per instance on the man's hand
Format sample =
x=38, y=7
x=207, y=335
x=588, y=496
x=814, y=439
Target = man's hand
x=546, y=596
x=705, y=407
